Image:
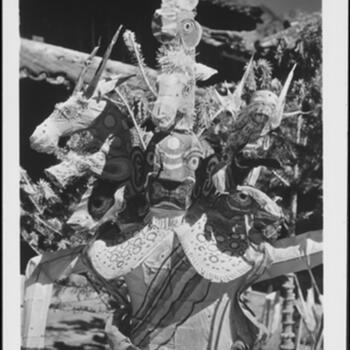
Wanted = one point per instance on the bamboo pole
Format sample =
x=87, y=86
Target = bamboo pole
x=288, y=335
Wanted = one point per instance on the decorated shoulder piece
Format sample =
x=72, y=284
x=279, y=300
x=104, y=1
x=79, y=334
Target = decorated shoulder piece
x=125, y=252
x=218, y=244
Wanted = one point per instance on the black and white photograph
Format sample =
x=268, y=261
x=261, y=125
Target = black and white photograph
x=173, y=179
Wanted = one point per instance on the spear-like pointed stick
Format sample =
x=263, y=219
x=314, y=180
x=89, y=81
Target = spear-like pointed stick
x=84, y=70
x=295, y=114
x=93, y=84
x=281, y=178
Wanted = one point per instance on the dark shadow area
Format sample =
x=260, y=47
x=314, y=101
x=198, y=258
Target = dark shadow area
x=37, y=100
x=83, y=325
x=79, y=24
x=26, y=253
x=212, y=15
x=59, y=345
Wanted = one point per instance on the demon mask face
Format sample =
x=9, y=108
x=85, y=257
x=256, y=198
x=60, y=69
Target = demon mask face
x=262, y=114
x=253, y=119
x=172, y=161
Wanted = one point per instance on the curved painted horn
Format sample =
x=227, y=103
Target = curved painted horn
x=237, y=95
x=233, y=101
x=276, y=121
x=93, y=84
x=83, y=72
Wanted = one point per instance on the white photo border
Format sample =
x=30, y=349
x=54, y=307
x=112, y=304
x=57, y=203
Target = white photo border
x=335, y=126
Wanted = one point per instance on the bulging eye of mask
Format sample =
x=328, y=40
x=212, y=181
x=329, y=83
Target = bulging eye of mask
x=239, y=200
x=170, y=24
x=190, y=33
x=193, y=162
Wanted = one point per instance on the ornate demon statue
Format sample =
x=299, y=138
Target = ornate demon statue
x=204, y=236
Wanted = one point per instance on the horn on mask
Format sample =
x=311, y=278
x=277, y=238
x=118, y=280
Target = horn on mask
x=93, y=84
x=233, y=101
x=237, y=95
x=83, y=72
x=276, y=121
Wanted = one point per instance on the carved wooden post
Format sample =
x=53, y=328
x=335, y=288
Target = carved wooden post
x=288, y=335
